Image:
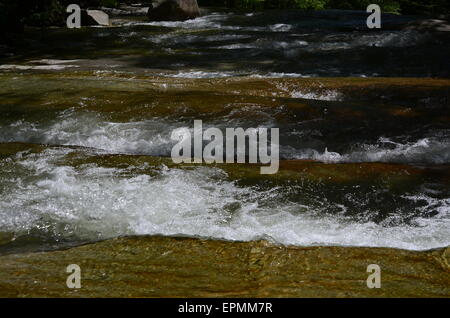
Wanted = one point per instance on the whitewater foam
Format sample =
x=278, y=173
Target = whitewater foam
x=88, y=129
x=429, y=150
x=54, y=67
x=91, y=202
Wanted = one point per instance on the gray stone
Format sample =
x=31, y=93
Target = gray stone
x=99, y=16
x=94, y=17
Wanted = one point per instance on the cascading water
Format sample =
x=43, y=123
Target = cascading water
x=126, y=99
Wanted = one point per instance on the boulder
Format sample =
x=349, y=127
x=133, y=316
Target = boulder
x=174, y=10
x=99, y=16
x=94, y=17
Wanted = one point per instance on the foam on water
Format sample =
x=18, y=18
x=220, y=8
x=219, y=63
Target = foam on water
x=425, y=150
x=210, y=74
x=280, y=75
x=91, y=202
x=36, y=67
x=94, y=130
x=199, y=74
x=211, y=21
x=280, y=27
x=326, y=95
x=53, y=61
x=42, y=64
x=152, y=136
x=329, y=95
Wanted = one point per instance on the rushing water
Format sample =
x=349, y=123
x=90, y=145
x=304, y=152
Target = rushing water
x=123, y=89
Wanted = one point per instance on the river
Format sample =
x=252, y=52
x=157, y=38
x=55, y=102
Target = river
x=363, y=115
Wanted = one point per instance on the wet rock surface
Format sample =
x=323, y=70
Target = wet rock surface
x=187, y=267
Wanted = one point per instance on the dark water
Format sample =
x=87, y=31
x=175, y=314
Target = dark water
x=273, y=43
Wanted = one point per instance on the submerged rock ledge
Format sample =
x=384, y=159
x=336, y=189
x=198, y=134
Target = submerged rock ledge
x=155, y=266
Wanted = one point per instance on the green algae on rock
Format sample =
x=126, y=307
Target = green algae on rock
x=8, y=149
x=122, y=98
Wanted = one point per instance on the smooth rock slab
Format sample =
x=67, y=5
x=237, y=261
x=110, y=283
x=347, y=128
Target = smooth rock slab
x=188, y=267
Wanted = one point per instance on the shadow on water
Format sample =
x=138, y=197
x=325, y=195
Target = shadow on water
x=331, y=43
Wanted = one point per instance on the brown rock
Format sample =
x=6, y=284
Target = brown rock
x=174, y=10
x=186, y=267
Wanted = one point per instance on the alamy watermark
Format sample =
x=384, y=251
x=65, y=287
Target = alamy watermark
x=374, y=20
x=74, y=19
x=235, y=146
x=374, y=279
x=74, y=279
